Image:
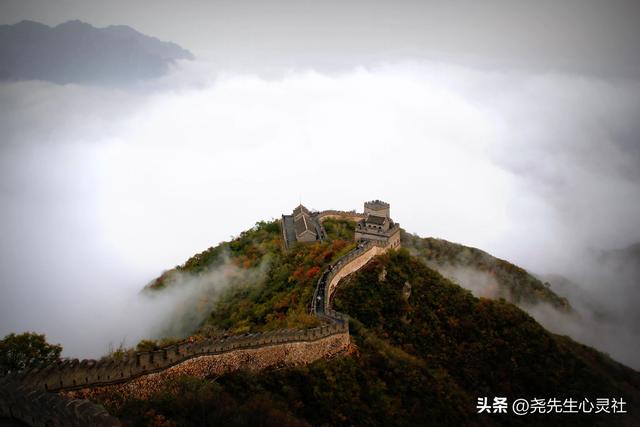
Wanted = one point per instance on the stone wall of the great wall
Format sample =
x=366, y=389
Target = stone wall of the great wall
x=27, y=396
x=351, y=265
x=36, y=407
x=255, y=359
x=73, y=374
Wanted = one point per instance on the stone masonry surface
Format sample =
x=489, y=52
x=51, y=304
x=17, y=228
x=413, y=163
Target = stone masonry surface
x=277, y=355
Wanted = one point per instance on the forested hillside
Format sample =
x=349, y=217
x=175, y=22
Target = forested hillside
x=277, y=297
x=424, y=349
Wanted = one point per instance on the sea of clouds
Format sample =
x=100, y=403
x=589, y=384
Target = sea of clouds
x=102, y=189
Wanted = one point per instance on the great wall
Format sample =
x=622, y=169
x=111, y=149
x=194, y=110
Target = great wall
x=57, y=394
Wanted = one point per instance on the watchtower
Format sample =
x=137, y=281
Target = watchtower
x=378, y=225
x=377, y=208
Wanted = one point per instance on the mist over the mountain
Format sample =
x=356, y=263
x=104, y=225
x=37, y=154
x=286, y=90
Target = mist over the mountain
x=604, y=301
x=604, y=288
x=103, y=187
x=76, y=52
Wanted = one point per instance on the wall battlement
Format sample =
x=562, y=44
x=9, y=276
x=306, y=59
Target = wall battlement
x=74, y=374
x=36, y=407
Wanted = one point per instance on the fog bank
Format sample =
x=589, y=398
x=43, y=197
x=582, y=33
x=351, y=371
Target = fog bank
x=103, y=189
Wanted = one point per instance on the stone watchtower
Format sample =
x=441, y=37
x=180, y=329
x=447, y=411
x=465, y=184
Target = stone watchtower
x=377, y=208
x=378, y=225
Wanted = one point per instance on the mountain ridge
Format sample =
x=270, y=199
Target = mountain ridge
x=77, y=52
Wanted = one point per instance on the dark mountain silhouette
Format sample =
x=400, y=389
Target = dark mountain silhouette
x=76, y=52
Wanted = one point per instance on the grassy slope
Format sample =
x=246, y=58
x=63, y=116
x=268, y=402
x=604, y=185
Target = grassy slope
x=422, y=359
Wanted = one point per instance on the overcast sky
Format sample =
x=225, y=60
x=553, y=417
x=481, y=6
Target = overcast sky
x=584, y=36
x=509, y=126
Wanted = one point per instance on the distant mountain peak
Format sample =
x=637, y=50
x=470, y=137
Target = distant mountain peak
x=77, y=52
x=74, y=23
x=28, y=22
x=120, y=27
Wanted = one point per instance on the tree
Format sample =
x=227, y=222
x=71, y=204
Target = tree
x=27, y=350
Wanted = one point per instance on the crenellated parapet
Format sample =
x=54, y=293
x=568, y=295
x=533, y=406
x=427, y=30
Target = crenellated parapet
x=34, y=406
x=75, y=374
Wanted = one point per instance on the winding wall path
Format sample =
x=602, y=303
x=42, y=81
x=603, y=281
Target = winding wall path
x=144, y=372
